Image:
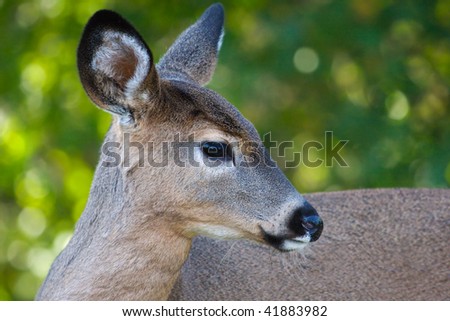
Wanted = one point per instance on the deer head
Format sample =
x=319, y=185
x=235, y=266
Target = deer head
x=222, y=182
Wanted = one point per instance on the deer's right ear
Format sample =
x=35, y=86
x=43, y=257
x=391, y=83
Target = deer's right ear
x=116, y=67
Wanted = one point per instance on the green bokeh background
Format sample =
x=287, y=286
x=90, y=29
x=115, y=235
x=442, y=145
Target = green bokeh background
x=375, y=72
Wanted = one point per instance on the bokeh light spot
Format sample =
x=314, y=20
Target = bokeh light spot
x=397, y=105
x=306, y=60
x=34, y=185
x=32, y=221
x=27, y=14
x=39, y=261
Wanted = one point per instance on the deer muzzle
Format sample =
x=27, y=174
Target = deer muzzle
x=304, y=226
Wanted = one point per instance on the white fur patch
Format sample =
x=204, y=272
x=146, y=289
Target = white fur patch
x=115, y=47
x=305, y=238
x=219, y=43
x=289, y=245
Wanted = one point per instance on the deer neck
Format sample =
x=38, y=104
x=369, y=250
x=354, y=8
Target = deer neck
x=119, y=251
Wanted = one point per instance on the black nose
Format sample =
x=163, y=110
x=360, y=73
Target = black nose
x=306, y=221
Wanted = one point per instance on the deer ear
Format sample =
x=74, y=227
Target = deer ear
x=116, y=66
x=193, y=56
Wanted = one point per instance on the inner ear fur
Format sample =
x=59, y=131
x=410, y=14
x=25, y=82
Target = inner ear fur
x=116, y=66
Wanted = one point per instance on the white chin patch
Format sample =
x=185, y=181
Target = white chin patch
x=304, y=239
x=296, y=244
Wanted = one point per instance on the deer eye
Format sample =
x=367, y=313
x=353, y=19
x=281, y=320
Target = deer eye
x=217, y=150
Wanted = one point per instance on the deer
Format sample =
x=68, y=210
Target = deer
x=136, y=231
x=219, y=220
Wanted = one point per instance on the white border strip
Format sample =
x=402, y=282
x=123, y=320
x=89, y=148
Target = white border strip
x=348, y=311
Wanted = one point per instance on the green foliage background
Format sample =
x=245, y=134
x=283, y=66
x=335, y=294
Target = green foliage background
x=375, y=73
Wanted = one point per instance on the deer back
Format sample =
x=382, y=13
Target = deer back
x=380, y=244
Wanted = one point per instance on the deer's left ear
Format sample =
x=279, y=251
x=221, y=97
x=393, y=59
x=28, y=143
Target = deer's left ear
x=116, y=67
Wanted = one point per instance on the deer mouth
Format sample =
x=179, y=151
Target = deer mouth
x=286, y=243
